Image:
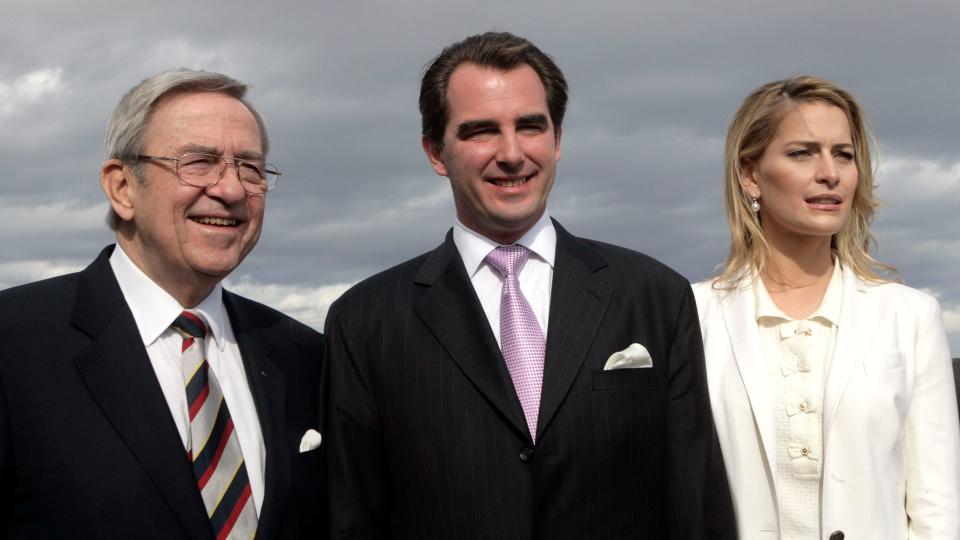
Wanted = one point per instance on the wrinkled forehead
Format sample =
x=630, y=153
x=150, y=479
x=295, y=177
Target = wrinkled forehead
x=198, y=111
x=207, y=119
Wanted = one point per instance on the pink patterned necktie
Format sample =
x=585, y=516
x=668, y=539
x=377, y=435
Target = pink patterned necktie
x=521, y=339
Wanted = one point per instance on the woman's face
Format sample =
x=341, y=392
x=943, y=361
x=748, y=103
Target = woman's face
x=807, y=176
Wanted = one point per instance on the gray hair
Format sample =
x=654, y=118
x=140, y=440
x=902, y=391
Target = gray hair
x=128, y=125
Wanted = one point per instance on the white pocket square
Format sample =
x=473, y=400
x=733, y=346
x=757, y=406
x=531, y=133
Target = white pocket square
x=311, y=440
x=634, y=356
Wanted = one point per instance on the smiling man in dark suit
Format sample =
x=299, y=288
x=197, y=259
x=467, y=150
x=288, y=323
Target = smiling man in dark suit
x=517, y=382
x=138, y=398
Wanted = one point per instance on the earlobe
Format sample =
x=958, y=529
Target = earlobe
x=748, y=180
x=434, y=154
x=116, y=186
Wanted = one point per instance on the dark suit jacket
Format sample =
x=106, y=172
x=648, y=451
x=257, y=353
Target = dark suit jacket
x=427, y=436
x=88, y=447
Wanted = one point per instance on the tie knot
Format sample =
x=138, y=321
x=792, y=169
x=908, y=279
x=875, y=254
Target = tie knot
x=509, y=260
x=191, y=324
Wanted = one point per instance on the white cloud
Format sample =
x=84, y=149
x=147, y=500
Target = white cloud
x=308, y=305
x=179, y=51
x=917, y=179
x=58, y=218
x=18, y=272
x=29, y=88
x=951, y=320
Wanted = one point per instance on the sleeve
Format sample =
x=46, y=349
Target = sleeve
x=931, y=436
x=358, y=486
x=700, y=495
x=6, y=463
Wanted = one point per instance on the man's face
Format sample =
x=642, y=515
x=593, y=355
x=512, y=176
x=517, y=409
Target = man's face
x=182, y=234
x=499, y=149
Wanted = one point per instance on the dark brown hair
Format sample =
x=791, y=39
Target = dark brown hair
x=500, y=50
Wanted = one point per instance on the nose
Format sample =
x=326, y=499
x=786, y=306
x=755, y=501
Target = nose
x=229, y=187
x=509, y=152
x=827, y=172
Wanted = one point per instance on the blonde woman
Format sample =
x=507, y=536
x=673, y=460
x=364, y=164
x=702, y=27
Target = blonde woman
x=831, y=386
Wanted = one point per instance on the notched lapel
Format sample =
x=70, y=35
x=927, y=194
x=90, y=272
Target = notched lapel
x=740, y=317
x=118, y=374
x=578, y=302
x=856, y=319
x=449, y=307
x=268, y=385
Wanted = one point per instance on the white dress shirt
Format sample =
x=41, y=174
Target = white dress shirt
x=154, y=310
x=536, y=278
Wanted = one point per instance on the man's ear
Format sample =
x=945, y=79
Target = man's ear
x=556, y=144
x=116, y=179
x=434, y=154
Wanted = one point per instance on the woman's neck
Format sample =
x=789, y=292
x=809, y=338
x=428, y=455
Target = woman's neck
x=797, y=273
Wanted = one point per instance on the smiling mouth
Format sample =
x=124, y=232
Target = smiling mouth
x=510, y=182
x=218, y=222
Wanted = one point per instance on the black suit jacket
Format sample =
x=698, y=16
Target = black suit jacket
x=428, y=439
x=88, y=447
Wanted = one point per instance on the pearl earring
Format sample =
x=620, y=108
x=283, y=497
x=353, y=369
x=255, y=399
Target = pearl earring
x=754, y=205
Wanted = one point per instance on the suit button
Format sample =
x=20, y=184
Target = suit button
x=837, y=535
x=526, y=454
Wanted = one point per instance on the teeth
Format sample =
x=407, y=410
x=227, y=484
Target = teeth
x=512, y=182
x=222, y=222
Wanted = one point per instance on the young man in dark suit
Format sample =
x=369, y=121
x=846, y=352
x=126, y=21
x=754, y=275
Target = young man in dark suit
x=517, y=382
x=138, y=399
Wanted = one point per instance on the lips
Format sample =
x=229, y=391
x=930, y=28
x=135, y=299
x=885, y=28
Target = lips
x=828, y=199
x=216, y=221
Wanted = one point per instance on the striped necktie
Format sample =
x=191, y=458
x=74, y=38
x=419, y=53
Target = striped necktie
x=212, y=444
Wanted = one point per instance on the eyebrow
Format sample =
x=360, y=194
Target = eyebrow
x=466, y=128
x=802, y=142
x=200, y=149
x=538, y=119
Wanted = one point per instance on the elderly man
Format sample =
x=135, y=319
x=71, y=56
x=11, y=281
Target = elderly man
x=517, y=382
x=138, y=398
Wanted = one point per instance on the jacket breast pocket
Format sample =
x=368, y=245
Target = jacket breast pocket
x=888, y=387
x=625, y=379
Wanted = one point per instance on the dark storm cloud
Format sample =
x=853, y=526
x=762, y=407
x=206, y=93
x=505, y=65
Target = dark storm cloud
x=653, y=86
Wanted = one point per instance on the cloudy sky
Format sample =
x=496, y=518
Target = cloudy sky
x=653, y=86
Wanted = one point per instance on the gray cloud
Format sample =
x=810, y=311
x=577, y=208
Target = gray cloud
x=653, y=85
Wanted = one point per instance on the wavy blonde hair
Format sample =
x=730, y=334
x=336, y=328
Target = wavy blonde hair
x=753, y=127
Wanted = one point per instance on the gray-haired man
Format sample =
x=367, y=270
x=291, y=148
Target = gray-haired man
x=138, y=399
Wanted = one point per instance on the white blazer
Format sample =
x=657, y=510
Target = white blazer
x=891, y=436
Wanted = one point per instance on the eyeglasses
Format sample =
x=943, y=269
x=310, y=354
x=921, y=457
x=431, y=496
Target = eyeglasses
x=204, y=170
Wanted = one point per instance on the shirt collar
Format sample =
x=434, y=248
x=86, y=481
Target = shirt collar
x=154, y=310
x=829, y=307
x=541, y=240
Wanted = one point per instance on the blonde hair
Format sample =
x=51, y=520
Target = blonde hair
x=753, y=127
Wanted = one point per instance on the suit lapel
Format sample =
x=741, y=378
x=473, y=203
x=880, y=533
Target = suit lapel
x=740, y=316
x=268, y=386
x=855, y=323
x=578, y=301
x=118, y=374
x=449, y=307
